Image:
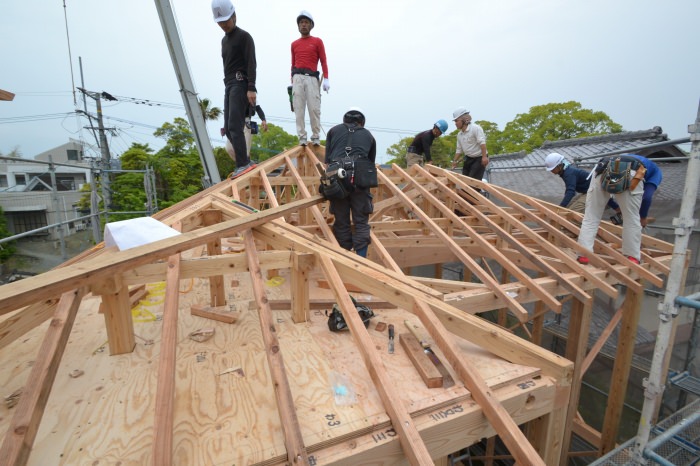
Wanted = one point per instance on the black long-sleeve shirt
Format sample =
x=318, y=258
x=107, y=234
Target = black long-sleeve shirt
x=363, y=143
x=421, y=144
x=238, y=53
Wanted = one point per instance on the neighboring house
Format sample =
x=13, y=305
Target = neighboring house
x=27, y=196
x=525, y=173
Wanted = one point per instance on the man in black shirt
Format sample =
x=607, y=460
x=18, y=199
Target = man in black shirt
x=238, y=53
x=422, y=142
x=351, y=139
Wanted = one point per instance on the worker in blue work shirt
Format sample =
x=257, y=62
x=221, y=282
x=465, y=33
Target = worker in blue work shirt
x=635, y=199
x=419, y=150
x=652, y=180
x=575, y=179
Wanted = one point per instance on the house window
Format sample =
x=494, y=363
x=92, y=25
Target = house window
x=72, y=154
x=27, y=221
x=3, y=181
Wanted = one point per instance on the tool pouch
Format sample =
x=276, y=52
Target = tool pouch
x=332, y=185
x=617, y=175
x=336, y=321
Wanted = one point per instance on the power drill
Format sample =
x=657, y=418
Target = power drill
x=291, y=98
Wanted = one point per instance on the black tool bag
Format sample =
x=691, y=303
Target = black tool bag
x=336, y=181
x=336, y=322
x=365, y=174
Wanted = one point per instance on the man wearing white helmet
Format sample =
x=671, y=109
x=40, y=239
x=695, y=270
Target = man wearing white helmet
x=421, y=144
x=351, y=141
x=576, y=181
x=240, y=69
x=307, y=51
x=471, y=144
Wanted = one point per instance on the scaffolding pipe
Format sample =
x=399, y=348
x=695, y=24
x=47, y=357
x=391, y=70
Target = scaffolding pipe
x=687, y=302
x=667, y=436
x=654, y=387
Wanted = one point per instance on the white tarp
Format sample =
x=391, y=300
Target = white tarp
x=136, y=232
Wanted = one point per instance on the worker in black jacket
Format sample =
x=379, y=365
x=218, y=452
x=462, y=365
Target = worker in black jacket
x=421, y=144
x=240, y=72
x=347, y=141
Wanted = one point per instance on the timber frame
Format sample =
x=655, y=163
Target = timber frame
x=522, y=252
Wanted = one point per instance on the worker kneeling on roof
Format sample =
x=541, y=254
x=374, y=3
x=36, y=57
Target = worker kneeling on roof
x=351, y=151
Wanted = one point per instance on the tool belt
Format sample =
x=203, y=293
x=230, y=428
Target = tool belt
x=240, y=76
x=616, y=173
x=306, y=72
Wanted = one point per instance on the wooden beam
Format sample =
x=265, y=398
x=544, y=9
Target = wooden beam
x=293, y=440
x=576, y=345
x=165, y=389
x=517, y=245
x=218, y=313
x=217, y=296
x=513, y=305
x=301, y=265
x=621, y=369
x=426, y=369
x=21, y=434
x=497, y=415
x=413, y=447
x=116, y=307
x=25, y=319
x=554, y=231
x=6, y=95
x=605, y=334
x=92, y=270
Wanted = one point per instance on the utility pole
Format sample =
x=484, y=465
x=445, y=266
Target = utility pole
x=189, y=96
x=106, y=164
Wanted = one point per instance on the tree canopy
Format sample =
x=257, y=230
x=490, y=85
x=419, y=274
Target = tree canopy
x=550, y=122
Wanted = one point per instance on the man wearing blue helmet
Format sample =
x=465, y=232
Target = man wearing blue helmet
x=420, y=146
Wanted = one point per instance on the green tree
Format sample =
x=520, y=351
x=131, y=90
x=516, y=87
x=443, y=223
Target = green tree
x=552, y=122
x=269, y=143
x=6, y=249
x=210, y=113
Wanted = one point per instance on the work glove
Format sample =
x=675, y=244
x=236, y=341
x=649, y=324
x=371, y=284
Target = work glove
x=326, y=84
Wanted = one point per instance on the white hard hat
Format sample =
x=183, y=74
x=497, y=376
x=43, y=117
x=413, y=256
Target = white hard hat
x=459, y=112
x=552, y=160
x=222, y=10
x=307, y=15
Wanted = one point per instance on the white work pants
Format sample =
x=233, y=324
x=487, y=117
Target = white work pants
x=306, y=91
x=629, y=201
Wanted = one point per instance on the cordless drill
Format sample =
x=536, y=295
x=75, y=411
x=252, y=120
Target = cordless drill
x=291, y=98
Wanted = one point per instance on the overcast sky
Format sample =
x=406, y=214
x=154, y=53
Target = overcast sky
x=406, y=63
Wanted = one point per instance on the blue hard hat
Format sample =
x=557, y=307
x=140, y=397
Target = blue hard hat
x=441, y=125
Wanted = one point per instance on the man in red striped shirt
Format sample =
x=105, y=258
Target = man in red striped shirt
x=307, y=51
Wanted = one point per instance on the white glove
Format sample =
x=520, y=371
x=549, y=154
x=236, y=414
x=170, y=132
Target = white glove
x=326, y=84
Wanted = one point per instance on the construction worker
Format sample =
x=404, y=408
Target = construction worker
x=652, y=180
x=630, y=203
x=576, y=181
x=422, y=142
x=471, y=144
x=352, y=139
x=238, y=54
x=307, y=51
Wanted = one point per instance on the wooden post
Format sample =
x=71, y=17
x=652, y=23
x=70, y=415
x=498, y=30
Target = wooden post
x=576, y=345
x=117, y=313
x=301, y=264
x=217, y=293
x=621, y=369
